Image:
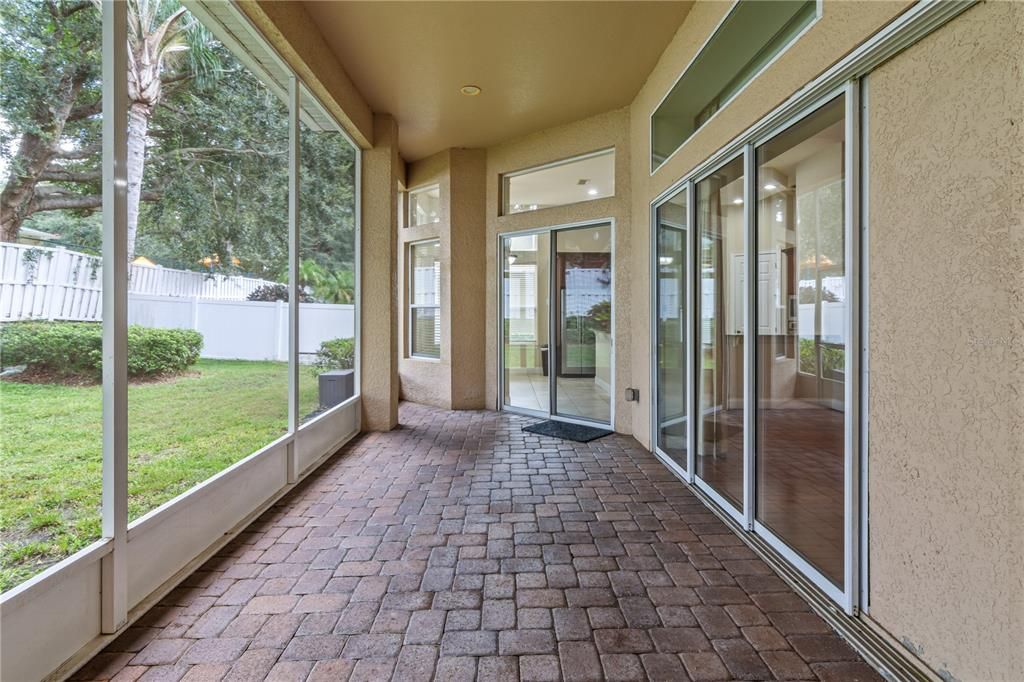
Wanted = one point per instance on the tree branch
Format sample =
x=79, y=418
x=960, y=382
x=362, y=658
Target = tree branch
x=58, y=174
x=86, y=110
x=68, y=10
x=78, y=154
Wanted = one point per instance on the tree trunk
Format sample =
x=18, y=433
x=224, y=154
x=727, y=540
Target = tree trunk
x=35, y=152
x=138, y=125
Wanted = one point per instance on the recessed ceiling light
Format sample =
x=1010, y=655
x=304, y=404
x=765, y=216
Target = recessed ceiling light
x=593, y=191
x=470, y=90
x=770, y=186
x=737, y=201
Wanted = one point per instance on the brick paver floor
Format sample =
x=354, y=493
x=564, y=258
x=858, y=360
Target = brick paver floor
x=459, y=547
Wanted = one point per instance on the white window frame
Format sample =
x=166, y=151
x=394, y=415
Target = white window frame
x=413, y=306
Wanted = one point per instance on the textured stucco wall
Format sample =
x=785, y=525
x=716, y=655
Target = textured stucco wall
x=946, y=218
x=288, y=27
x=423, y=380
x=590, y=134
x=842, y=26
x=456, y=381
x=378, y=343
x=468, y=298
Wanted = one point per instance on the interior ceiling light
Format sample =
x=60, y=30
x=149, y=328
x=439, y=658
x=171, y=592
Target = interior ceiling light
x=470, y=90
x=737, y=201
x=770, y=186
x=593, y=191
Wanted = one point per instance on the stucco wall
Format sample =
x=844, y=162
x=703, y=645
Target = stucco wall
x=842, y=26
x=378, y=338
x=947, y=345
x=456, y=380
x=425, y=380
x=591, y=134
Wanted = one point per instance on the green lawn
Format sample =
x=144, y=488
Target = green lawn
x=180, y=432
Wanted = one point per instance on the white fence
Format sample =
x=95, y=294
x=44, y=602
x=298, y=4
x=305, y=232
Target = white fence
x=44, y=283
x=41, y=282
x=244, y=330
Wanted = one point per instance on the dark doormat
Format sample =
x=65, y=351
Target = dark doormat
x=567, y=431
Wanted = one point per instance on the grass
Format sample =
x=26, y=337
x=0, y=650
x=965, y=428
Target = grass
x=180, y=432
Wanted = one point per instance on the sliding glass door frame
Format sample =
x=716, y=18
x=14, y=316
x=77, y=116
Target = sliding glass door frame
x=854, y=525
x=551, y=412
x=690, y=275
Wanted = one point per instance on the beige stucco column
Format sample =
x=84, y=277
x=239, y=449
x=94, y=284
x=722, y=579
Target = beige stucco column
x=468, y=276
x=382, y=170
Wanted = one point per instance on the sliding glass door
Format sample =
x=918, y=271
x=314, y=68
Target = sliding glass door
x=671, y=294
x=556, y=350
x=765, y=378
x=525, y=319
x=720, y=405
x=802, y=341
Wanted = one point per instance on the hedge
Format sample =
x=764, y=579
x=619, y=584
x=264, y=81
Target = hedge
x=76, y=348
x=335, y=354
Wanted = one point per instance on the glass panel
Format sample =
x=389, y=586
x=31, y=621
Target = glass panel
x=424, y=206
x=51, y=281
x=425, y=299
x=673, y=353
x=750, y=37
x=583, y=314
x=208, y=292
x=327, y=279
x=526, y=263
x=801, y=317
x=568, y=182
x=720, y=225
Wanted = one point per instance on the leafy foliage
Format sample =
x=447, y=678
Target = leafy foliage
x=215, y=178
x=70, y=349
x=335, y=354
x=276, y=292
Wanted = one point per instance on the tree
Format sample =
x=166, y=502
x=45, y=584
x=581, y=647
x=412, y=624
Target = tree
x=50, y=68
x=211, y=174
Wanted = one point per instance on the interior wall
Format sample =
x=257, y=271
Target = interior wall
x=591, y=134
x=946, y=217
x=841, y=27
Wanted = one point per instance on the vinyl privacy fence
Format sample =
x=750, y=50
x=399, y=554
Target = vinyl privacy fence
x=44, y=283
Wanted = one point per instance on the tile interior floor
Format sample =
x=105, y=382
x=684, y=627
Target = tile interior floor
x=459, y=547
x=579, y=397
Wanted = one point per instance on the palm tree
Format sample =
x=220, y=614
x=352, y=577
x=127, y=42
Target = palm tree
x=160, y=34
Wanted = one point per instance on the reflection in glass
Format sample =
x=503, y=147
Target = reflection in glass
x=526, y=262
x=801, y=326
x=720, y=225
x=425, y=299
x=583, y=308
x=424, y=206
x=673, y=355
x=566, y=182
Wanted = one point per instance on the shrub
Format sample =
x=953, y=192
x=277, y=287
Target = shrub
x=68, y=349
x=276, y=292
x=335, y=354
x=155, y=352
